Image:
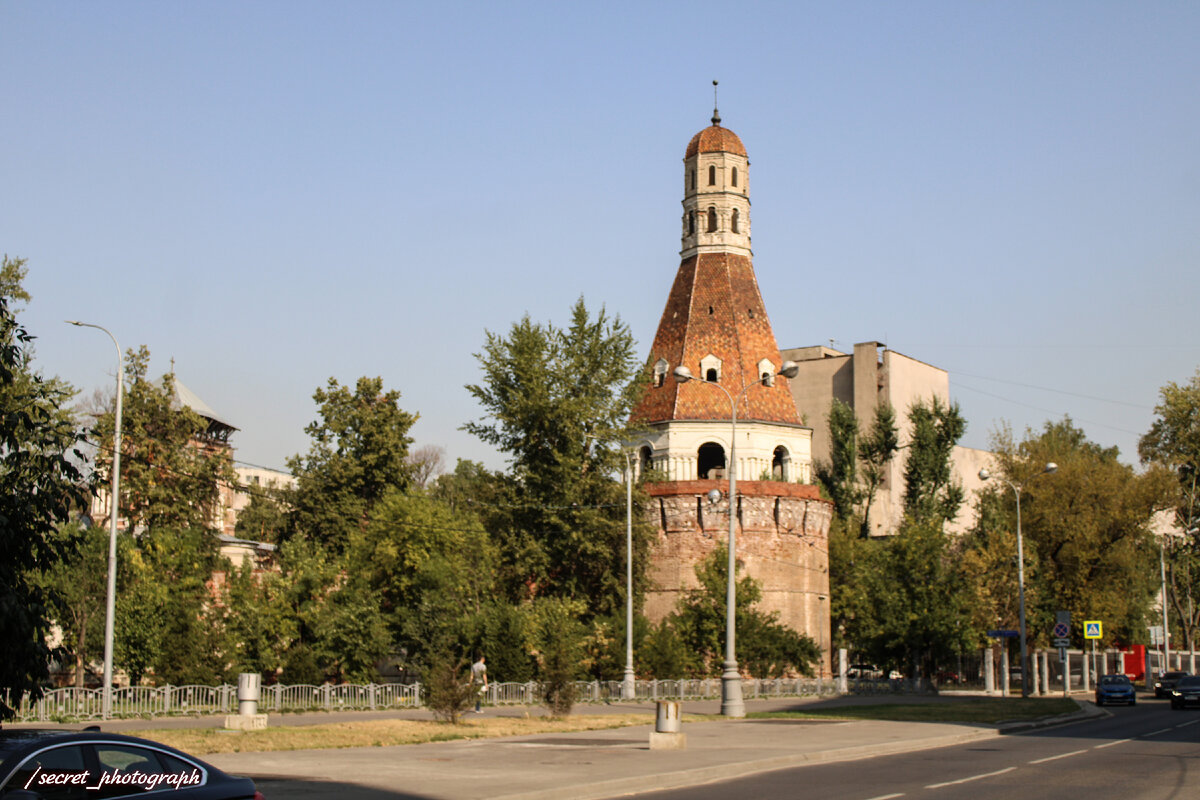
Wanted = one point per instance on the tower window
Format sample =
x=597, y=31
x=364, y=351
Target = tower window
x=733, y=221
x=691, y=223
x=710, y=458
x=734, y=176
x=712, y=176
x=780, y=463
x=692, y=178
x=711, y=376
x=660, y=371
x=712, y=219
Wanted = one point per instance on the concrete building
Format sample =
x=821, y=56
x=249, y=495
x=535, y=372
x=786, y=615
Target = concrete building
x=715, y=324
x=869, y=377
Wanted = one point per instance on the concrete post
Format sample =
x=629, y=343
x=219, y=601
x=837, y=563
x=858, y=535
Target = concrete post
x=843, y=681
x=1035, y=682
x=1085, y=671
x=1045, y=659
x=989, y=672
x=1005, y=680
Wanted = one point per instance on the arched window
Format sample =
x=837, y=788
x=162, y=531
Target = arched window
x=691, y=223
x=712, y=219
x=710, y=459
x=645, y=464
x=733, y=221
x=660, y=372
x=692, y=179
x=735, y=176
x=779, y=463
x=711, y=376
x=712, y=176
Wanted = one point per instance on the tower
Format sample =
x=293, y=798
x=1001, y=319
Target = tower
x=715, y=324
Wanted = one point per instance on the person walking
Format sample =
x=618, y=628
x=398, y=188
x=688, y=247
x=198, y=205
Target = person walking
x=479, y=678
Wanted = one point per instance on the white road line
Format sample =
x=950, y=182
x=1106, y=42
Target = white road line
x=1185, y=724
x=1055, y=758
x=1110, y=744
x=887, y=796
x=1156, y=733
x=972, y=778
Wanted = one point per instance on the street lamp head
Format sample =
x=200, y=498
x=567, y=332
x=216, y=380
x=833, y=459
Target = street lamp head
x=790, y=369
x=72, y=322
x=984, y=474
x=714, y=495
x=1050, y=467
x=683, y=374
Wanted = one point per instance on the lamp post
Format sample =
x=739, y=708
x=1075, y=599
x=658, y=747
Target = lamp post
x=110, y=602
x=983, y=476
x=732, y=704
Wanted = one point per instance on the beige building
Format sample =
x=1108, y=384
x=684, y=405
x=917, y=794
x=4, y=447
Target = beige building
x=871, y=376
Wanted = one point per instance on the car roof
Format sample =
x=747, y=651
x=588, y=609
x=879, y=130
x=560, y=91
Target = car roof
x=15, y=741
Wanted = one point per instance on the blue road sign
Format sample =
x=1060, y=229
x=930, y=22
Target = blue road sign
x=1004, y=634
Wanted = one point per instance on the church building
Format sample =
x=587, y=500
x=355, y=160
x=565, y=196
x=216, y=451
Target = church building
x=715, y=325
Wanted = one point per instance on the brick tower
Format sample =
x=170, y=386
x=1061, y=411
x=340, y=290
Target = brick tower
x=715, y=324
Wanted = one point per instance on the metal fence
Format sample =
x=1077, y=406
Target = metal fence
x=59, y=705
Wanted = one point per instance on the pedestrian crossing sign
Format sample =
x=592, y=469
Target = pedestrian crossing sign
x=1092, y=629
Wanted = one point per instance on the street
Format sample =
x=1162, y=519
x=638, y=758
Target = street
x=1147, y=751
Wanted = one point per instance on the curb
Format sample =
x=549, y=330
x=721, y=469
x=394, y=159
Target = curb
x=683, y=779
x=1087, y=710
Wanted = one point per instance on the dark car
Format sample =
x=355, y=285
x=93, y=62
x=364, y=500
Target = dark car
x=81, y=765
x=1186, y=692
x=1166, y=682
x=1115, y=689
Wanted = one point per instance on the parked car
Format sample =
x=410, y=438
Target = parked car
x=1115, y=689
x=1166, y=682
x=1186, y=692
x=42, y=763
x=864, y=672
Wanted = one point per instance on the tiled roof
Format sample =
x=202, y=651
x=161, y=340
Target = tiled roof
x=715, y=139
x=715, y=308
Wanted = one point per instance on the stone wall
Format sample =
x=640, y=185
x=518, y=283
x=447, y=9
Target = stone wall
x=782, y=542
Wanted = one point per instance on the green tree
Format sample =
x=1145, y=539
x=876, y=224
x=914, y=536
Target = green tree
x=257, y=624
x=40, y=486
x=1086, y=529
x=876, y=451
x=76, y=586
x=765, y=647
x=265, y=518
x=930, y=491
x=556, y=401
x=839, y=475
x=1173, y=442
x=169, y=477
x=358, y=455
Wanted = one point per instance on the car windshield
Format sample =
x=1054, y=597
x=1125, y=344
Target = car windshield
x=1174, y=676
x=1114, y=680
x=1191, y=682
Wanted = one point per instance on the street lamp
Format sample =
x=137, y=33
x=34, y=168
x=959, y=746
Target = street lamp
x=732, y=704
x=983, y=476
x=110, y=603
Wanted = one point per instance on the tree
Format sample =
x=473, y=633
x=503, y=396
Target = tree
x=265, y=519
x=426, y=463
x=170, y=477
x=840, y=475
x=765, y=647
x=876, y=450
x=1173, y=442
x=40, y=486
x=1086, y=529
x=76, y=586
x=358, y=455
x=557, y=403
x=930, y=492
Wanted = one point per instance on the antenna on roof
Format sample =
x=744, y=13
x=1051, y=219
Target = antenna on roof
x=716, y=117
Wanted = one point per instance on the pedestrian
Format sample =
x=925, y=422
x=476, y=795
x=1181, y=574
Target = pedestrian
x=479, y=678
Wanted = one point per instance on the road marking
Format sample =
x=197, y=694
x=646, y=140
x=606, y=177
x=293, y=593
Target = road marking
x=1110, y=744
x=1185, y=724
x=887, y=796
x=1055, y=758
x=1156, y=733
x=972, y=778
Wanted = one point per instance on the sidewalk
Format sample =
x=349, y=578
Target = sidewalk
x=598, y=764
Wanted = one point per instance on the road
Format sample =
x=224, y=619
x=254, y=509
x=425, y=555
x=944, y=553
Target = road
x=1146, y=752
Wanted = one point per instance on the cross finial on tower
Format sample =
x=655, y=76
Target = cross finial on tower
x=716, y=117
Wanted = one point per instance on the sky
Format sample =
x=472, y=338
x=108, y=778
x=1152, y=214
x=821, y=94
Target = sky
x=275, y=193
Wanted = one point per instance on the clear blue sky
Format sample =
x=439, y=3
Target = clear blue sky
x=273, y=193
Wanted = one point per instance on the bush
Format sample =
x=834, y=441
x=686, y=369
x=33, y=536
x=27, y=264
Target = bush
x=449, y=690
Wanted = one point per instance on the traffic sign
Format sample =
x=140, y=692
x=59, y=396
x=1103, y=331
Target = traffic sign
x=1062, y=643
x=1004, y=634
x=1092, y=629
x=1062, y=630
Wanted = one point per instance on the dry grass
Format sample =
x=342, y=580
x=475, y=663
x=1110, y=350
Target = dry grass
x=376, y=733
x=986, y=710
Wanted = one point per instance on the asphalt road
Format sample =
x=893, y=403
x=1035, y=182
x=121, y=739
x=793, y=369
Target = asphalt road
x=1146, y=752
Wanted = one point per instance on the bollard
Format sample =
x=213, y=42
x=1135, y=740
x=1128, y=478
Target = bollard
x=666, y=734
x=248, y=693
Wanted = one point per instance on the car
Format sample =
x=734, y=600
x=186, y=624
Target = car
x=1166, y=682
x=40, y=763
x=1115, y=689
x=1186, y=692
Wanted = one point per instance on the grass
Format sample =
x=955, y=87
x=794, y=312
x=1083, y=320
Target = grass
x=987, y=710
x=375, y=733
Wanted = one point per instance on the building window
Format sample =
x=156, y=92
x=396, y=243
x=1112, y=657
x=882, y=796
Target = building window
x=710, y=459
x=735, y=176
x=691, y=223
x=733, y=221
x=766, y=372
x=712, y=176
x=660, y=371
x=710, y=376
x=712, y=219
x=779, y=463
x=645, y=462
x=692, y=179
